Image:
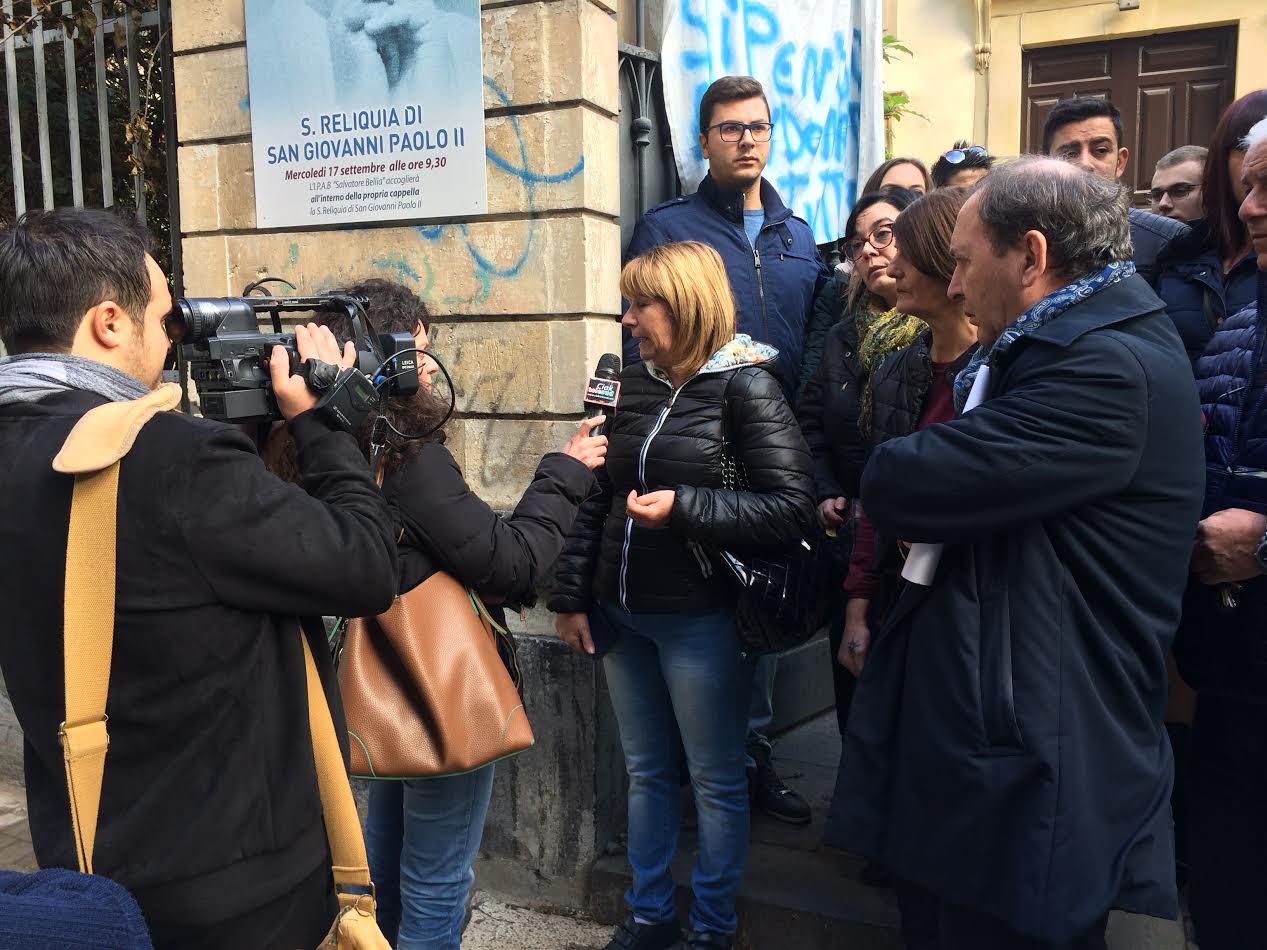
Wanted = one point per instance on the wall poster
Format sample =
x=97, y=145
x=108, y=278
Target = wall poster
x=365, y=110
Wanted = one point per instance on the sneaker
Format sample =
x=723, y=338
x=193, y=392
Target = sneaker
x=708, y=940
x=632, y=935
x=772, y=796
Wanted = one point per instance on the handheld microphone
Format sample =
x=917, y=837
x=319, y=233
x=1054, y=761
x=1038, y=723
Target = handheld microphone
x=602, y=391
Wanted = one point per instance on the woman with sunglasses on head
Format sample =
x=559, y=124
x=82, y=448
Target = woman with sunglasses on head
x=1210, y=273
x=962, y=166
x=830, y=401
x=423, y=834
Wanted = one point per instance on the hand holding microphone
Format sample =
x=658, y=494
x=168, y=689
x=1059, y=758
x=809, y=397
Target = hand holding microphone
x=589, y=445
x=588, y=449
x=602, y=392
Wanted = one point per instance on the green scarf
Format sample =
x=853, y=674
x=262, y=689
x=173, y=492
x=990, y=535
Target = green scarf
x=877, y=341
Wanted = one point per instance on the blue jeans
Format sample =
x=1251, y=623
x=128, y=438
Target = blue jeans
x=422, y=836
x=761, y=707
x=670, y=675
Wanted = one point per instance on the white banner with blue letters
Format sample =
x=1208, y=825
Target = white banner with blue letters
x=820, y=64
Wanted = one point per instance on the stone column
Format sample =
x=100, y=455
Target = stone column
x=525, y=299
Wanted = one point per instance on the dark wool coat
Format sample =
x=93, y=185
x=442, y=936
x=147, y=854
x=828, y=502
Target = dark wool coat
x=1197, y=294
x=1006, y=747
x=829, y=404
x=662, y=438
x=209, y=806
x=1151, y=237
x=1225, y=651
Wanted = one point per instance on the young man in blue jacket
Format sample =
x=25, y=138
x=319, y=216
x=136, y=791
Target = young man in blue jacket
x=775, y=273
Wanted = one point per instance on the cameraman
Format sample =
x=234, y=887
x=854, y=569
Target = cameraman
x=210, y=814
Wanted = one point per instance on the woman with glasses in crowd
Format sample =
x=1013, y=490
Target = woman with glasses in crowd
x=1211, y=273
x=831, y=396
x=641, y=584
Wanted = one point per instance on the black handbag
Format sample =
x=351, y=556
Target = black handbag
x=779, y=604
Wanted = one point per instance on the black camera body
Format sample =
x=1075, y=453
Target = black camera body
x=228, y=354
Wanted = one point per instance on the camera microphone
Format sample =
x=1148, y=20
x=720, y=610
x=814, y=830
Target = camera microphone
x=602, y=391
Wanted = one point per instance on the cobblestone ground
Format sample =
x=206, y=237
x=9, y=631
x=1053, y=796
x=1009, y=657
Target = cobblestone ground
x=15, y=837
x=497, y=926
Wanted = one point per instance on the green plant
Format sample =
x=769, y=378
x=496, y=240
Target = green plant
x=897, y=103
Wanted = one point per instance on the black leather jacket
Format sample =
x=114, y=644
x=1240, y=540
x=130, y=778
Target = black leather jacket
x=665, y=438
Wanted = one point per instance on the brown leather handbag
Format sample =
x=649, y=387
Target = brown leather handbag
x=425, y=689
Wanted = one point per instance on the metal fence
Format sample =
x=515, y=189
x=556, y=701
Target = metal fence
x=648, y=175
x=87, y=93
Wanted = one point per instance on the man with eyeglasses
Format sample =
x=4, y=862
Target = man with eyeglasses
x=1176, y=190
x=775, y=273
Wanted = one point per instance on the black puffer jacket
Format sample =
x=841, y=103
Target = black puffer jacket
x=900, y=386
x=663, y=438
x=447, y=527
x=829, y=404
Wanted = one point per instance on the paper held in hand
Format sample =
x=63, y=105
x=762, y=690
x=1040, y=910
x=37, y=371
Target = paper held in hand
x=922, y=560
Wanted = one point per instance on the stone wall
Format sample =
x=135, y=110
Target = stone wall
x=525, y=299
x=524, y=295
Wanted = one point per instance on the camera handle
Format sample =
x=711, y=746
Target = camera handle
x=347, y=395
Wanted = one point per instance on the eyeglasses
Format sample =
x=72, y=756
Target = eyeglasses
x=1178, y=191
x=879, y=238
x=957, y=155
x=733, y=131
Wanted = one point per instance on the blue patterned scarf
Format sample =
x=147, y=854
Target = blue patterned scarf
x=1037, y=316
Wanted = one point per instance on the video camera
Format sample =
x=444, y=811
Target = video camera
x=227, y=353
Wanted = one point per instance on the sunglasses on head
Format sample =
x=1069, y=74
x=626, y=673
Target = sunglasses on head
x=957, y=155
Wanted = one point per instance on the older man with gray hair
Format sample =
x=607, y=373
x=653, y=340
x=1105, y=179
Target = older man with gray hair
x=1006, y=754
x=1222, y=646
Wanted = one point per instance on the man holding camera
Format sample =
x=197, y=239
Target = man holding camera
x=210, y=813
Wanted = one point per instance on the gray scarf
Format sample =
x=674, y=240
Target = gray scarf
x=30, y=377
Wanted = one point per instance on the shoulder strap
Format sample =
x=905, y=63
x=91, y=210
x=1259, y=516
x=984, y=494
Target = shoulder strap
x=92, y=453
x=343, y=826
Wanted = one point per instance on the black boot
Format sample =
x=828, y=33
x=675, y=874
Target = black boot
x=708, y=940
x=632, y=935
x=771, y=795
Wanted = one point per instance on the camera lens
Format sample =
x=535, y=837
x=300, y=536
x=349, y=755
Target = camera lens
x=195, y=319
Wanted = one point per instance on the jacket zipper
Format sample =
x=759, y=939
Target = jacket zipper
x=642, y=480
x=765, y=321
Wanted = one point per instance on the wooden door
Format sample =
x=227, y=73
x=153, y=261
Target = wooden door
x=1171, y=88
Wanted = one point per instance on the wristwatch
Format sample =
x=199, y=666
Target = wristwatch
x=1261, y=554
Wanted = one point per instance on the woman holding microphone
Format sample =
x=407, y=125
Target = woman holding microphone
x=639, y=584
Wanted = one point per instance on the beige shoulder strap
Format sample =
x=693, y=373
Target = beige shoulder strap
x=343, y=825
x=92, y=453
